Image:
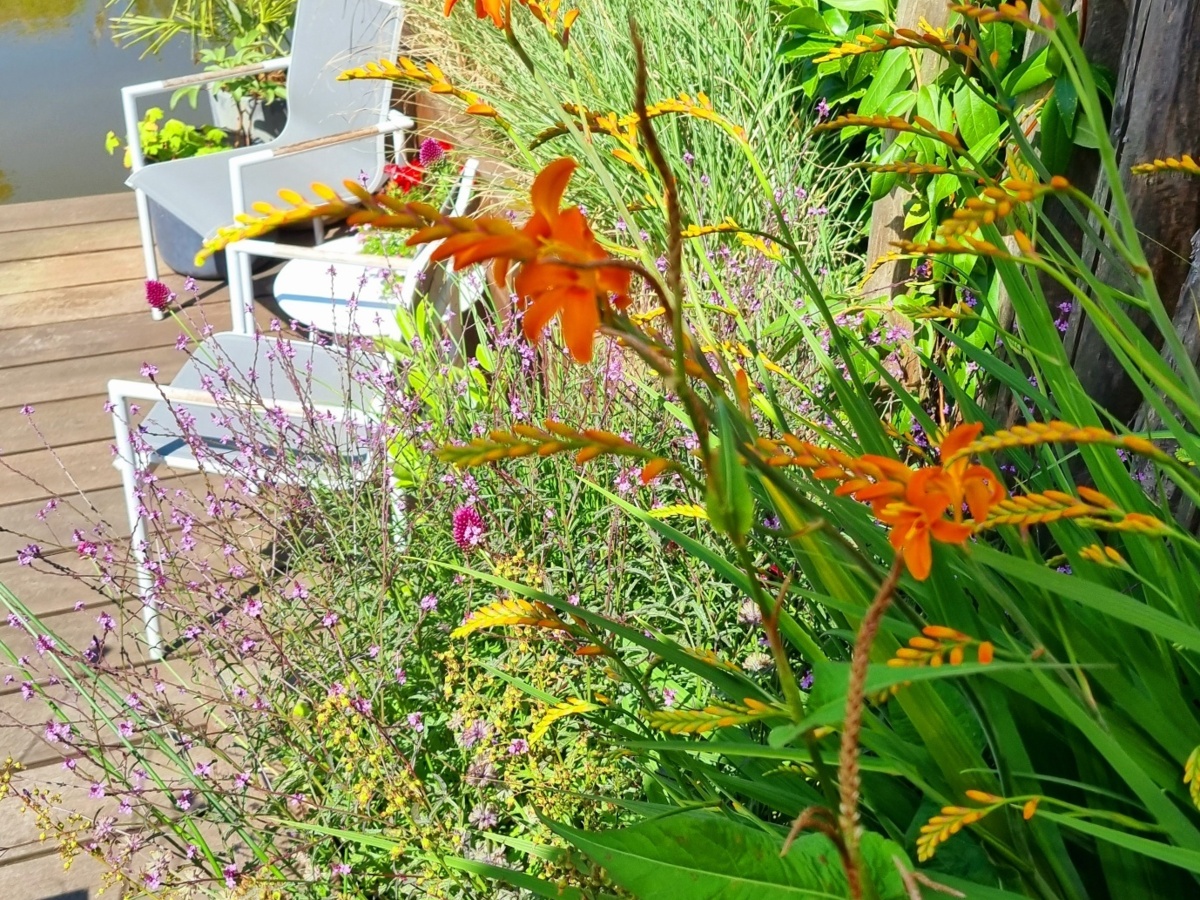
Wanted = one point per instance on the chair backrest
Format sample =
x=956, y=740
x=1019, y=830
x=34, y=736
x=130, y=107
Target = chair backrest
x=329, y=37
x=456, y=205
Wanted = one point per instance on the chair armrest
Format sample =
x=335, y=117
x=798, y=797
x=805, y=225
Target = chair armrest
x=131, y=92
x=273, y=250
x=120, y=390
x=395, y=122
x=171, y=84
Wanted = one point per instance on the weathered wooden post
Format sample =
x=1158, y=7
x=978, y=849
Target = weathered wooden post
x=1156, y=113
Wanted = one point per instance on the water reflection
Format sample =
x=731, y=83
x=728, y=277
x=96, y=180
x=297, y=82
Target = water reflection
x=37, y=16
x=6, y=189
x=60, y=93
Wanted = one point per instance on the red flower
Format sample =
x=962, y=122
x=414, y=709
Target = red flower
x=405, y=177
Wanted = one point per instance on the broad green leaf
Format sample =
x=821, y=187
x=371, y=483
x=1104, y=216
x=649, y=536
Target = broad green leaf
x=1085, y=135
x=894, y=73
x=998, y=37
x=711, y=857
x=875, y=6
x=977, y=118
x=836, y=21
x=805, y=18
x=1032, y=73
x=1068, y=103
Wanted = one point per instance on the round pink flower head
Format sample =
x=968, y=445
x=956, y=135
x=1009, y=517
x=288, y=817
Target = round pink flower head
x=158, y=295
x=432, y=151
x=468, y=527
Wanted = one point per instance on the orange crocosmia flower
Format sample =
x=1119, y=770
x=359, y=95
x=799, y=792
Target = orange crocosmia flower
x=971, y=483
x=920, y=516
x=493, y=9
x=548, y=250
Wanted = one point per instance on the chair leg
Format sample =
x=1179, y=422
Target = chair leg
x=148, y=254
x=127, y=463
x=237, y=303
x=245, y=275
x=137, y=530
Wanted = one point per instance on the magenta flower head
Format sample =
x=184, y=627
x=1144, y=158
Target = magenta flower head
x=158, y=295
x=468, y=527
x=432, y=151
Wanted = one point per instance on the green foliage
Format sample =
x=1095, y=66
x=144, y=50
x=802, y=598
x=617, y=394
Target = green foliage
x=172, y=139
x=248, y=92
x=710, y=856
x=207, y=24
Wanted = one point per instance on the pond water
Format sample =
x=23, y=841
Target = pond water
x=60, y=93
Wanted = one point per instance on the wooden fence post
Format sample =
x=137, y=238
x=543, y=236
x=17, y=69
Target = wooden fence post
x=1156, y=114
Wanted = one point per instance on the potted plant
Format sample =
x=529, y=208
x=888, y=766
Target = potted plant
x=206, y=23
x=428, y=178
x=172, y=139
x=251, y=108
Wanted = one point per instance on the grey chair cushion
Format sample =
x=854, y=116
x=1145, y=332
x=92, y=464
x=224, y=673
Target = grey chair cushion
x=261, y=370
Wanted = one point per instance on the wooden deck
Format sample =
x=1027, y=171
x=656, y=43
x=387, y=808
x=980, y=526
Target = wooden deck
x=72, y=315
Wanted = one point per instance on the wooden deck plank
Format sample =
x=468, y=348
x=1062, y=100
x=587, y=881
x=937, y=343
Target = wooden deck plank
x=83, y=377
x=52, y=306
x=35, y=309
x=105, y=333
x=84, y=337
x=75, y=420
x=88, y=237
x=80, y=270
x=47, y=593
x=75, y=211
x=43, y=878
x=39, y=475
x=54, y=530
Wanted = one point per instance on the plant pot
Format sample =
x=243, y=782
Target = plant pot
x=266, y=120
x=178, y=245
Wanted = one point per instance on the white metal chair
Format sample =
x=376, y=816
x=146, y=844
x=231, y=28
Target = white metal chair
x=335, y=129
x=280, y=393
x=337, y=290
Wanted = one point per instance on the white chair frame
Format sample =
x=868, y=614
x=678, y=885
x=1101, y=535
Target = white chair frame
x=396, y=122
x=238, y=257
x=130, y=464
